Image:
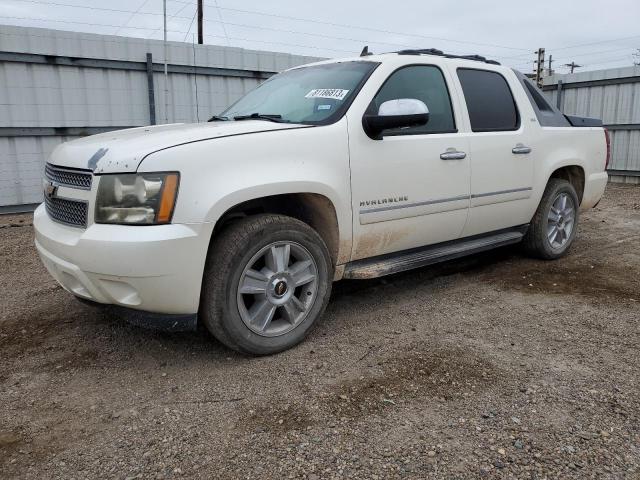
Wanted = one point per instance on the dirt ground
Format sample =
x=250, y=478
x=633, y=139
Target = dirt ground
x=495, y=366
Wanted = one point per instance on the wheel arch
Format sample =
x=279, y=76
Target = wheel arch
x=572, y=173
x=315, y=209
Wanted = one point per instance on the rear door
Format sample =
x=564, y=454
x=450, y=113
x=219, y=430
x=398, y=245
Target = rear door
x=501, y=149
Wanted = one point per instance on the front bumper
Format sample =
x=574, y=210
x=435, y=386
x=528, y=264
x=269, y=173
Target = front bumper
x=167, y=322
x=149, y=268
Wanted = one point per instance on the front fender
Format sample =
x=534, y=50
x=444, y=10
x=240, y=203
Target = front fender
x=217, y=174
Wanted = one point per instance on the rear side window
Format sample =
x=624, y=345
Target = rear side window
x=489, y=100
x=422, y=82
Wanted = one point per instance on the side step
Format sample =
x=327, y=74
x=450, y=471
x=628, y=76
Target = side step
x=420, y=257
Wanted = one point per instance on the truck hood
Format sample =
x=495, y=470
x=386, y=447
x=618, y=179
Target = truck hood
x=122, y=151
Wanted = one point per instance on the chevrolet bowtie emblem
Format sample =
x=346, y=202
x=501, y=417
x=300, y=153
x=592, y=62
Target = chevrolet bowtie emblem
x=50, y=189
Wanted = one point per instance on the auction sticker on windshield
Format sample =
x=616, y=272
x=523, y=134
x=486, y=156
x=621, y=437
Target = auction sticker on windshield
x=335, y=93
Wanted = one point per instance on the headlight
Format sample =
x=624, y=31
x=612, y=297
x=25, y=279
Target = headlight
x=136, y=199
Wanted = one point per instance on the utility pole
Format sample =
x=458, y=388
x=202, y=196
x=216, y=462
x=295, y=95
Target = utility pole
x=166, y=77
x=200, y=15
x=637, y=55
x=572, y=66
x=539, y=68
x=550, y=62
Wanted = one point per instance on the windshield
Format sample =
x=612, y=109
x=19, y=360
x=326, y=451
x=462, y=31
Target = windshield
x=312, y=95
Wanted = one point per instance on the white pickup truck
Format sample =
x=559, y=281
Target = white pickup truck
x=352, y=168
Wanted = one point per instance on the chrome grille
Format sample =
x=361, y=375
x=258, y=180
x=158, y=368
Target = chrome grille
x=69, y=212
x=67, y=177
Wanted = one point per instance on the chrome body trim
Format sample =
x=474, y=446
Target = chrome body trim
x=444, y=200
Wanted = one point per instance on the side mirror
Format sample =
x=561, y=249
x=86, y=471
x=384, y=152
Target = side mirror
x=403, y=112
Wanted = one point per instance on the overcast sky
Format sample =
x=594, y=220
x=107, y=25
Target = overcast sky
x=595, y=34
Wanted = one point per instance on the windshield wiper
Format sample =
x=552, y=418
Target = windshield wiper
x=218, y=118
x=261, y=116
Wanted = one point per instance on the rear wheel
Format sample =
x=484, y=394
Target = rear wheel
x=553, y=227
x=267, y=281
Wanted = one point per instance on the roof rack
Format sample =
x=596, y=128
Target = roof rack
x=440, y=53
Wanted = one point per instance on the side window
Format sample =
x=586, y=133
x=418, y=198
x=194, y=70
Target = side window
x=489, y=101
x=421, y=82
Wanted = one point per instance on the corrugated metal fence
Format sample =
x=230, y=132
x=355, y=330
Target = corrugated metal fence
x=614, y=96
x=57, y=85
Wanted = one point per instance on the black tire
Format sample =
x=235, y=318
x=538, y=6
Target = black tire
x=536, y=242
x=230, y=252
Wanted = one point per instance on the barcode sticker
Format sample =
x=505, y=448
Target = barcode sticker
x=335, y=93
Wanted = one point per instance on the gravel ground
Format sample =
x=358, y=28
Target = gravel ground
x=493, y=366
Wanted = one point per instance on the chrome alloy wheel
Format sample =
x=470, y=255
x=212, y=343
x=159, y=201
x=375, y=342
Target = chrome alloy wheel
x=561, y=220
x=277, y=288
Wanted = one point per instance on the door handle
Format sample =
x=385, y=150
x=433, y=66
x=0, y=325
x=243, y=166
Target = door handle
x=452, y=154
x=521, y=149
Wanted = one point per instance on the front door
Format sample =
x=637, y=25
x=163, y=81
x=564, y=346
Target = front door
x=410, y=188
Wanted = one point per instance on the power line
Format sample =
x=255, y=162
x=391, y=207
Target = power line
x=360, y=41
x=350, y=52
x=133, y=14
x=224, y=24
x=597, y=43
x=359, y=27
x=185, y=4
x=567, y=60
x=596, y=53
x=301, y=19
x=255, y=12
x=224, y=27
x=372, y=29
x=175, y=15
x=178, y=31
x=578, y=46
x=82, y=23
x=100, y=9
x=613, y=60
x=190, y=25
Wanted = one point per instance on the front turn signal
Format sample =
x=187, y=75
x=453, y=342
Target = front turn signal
x=168, y=198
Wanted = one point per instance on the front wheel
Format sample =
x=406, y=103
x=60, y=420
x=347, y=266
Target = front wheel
x=267, y=280
x=554, y=225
